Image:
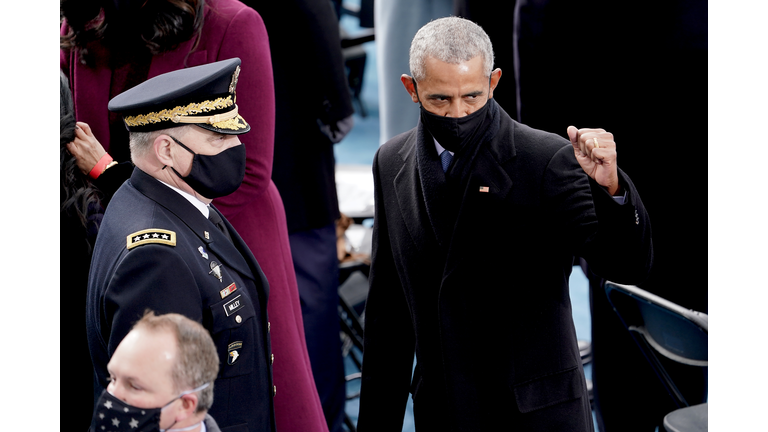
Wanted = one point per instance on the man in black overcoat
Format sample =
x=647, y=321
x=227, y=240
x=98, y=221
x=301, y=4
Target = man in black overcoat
x=163, y=247
x=478, y=219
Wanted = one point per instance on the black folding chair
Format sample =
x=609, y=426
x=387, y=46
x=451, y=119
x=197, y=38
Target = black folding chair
x=673, y=339
x=353, y=291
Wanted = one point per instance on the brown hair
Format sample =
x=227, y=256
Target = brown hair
x=152, y=26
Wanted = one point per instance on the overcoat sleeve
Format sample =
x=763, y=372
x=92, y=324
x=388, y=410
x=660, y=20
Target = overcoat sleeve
x=389, y=336
x=614, y=238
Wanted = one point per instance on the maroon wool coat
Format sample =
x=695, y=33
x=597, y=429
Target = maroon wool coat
x=232, y=29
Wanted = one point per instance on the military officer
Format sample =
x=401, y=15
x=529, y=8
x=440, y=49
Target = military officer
x=163, y=246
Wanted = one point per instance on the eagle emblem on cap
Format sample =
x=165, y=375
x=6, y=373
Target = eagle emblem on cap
x=235, y=75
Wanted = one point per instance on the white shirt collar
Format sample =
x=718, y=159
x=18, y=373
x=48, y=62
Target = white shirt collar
x=440, y=148
x=203, y=207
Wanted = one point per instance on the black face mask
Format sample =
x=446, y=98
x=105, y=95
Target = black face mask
x=453, y=133
x=214, y=176
x=116, y=415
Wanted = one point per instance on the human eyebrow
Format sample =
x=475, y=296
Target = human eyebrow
x=474, y=93
x=216, y=137
x=438, y=96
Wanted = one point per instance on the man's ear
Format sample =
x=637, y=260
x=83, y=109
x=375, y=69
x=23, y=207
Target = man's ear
x=162, y=149
x=495, y=77
x=409, y=87
x=188, y=406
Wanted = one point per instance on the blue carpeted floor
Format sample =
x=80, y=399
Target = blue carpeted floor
x=357, y=149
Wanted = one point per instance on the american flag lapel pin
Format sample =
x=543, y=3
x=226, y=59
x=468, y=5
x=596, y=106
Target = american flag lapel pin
x=485, y=189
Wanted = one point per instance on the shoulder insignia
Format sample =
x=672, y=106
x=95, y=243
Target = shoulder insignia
x=152, y=235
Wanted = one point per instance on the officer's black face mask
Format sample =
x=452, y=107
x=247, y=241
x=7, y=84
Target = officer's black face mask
x=214, y=176
x=453, y=133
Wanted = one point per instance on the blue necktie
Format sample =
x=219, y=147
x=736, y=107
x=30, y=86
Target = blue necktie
x=445, y=159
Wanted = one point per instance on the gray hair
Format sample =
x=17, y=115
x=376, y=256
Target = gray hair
x=197, y=362
x=451, y=40
x=140, y=143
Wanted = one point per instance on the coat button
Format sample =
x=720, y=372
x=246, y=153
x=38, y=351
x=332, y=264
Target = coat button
x=274, y=391
x=273, y=359
x=269, y=326
x=238, y=319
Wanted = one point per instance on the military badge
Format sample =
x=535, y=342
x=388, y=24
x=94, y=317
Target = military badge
x=233, y=84
x=202, y=252
x=228, y=290
x=215, y=269
x=233, y=306
x=233, y=351
x=152, y=235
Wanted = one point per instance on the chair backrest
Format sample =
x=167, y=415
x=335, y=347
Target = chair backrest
x=660, y=327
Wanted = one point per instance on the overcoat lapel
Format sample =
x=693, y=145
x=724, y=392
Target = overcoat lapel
x=437, y=199
x=411, y=199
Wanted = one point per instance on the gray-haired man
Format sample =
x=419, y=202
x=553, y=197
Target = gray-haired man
x=478, y=220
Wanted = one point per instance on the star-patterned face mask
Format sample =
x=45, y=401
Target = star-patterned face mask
x=112, y=414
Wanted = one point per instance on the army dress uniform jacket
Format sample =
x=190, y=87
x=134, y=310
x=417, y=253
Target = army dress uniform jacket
x=156, y=251
x=484, y=302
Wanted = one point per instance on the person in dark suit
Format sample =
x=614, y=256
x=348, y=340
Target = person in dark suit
x=472, y=252
x=163, y=247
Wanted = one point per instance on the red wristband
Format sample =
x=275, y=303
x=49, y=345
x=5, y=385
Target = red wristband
x=100, y=166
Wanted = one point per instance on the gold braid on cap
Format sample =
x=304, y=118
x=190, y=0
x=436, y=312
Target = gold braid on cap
x=231, y=124
x=178, y=114
x=211, y=120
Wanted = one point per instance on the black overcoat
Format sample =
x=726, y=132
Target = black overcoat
x=484, y=302
x=124, y=282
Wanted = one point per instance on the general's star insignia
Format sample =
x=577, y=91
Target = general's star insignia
x=152, y=235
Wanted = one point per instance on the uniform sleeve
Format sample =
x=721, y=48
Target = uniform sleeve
x=614, y=238
x=140, y=283
x=389, y=337
x=246, y=38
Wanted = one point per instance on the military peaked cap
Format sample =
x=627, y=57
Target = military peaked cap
x=201, y=95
